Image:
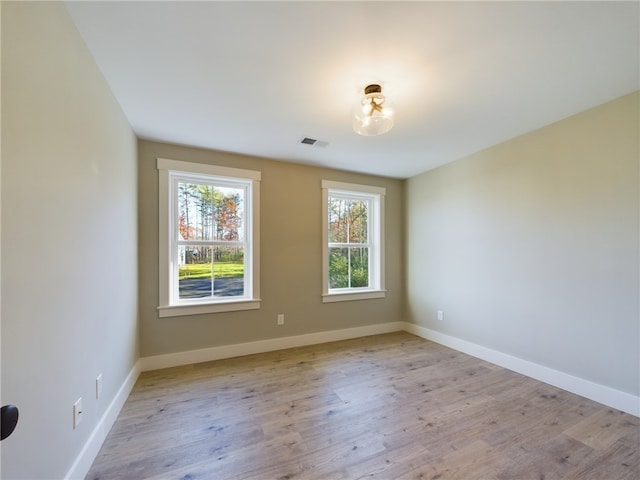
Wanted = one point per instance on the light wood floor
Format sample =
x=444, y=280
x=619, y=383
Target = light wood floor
x=390, y=406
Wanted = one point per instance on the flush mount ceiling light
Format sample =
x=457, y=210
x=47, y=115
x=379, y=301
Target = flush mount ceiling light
x=372, y=116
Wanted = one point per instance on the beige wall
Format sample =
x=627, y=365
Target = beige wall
x=290, y=251
x=69, y=239
x=531, y=247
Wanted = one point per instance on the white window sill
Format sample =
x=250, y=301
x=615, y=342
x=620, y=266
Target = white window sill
x=226, y=306
x=348, y=296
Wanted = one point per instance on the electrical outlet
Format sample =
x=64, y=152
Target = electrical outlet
x=440, y=315
x=98, y=386
x=77, y=413
x=281, y=319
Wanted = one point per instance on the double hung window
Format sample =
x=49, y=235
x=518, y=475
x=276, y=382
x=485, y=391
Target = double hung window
x=209, y=255
x=353, y=241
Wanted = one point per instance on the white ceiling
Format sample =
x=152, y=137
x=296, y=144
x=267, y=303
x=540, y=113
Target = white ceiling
x=256, y=77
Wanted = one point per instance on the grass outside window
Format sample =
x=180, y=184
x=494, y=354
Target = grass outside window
x=203, y=270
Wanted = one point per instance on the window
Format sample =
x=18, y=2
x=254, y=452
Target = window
x=353, y=242
x=209, y=249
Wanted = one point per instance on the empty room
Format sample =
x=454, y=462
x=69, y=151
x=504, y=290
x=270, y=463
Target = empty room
x=320, y=240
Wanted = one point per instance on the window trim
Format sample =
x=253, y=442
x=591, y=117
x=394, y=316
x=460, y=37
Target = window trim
x=377, y=194
x=166, y=169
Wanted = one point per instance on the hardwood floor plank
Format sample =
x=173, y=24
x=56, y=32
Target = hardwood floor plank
x=385, y=407
x=554, y=458
x=619, y=461
x=604, y=428
x=475, y=460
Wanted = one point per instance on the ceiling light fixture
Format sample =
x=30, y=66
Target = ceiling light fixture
x=372, y=116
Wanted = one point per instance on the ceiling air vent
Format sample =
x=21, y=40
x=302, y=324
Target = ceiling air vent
x=314, y=142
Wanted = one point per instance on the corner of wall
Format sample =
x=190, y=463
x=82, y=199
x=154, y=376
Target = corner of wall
x=598, y=393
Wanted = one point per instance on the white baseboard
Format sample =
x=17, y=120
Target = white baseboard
x=585, y=388
x=599, y=393
x=89, y=452
x=262, y=346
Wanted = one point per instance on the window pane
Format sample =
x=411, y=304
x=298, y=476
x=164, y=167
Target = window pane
x=348, y=220
x=210, y=271
x=206, y=212
x=228, y=213
x=338, y=268
x=358, y=221
x=195, y=207
x=359, y=273
x=194, y=271
x=337, y=220
x=228, y=271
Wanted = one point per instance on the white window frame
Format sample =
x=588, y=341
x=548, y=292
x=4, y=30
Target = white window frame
x=375, y=195
x=171, y=170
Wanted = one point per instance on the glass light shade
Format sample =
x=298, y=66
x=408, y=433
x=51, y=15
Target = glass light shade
x=373, y=116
